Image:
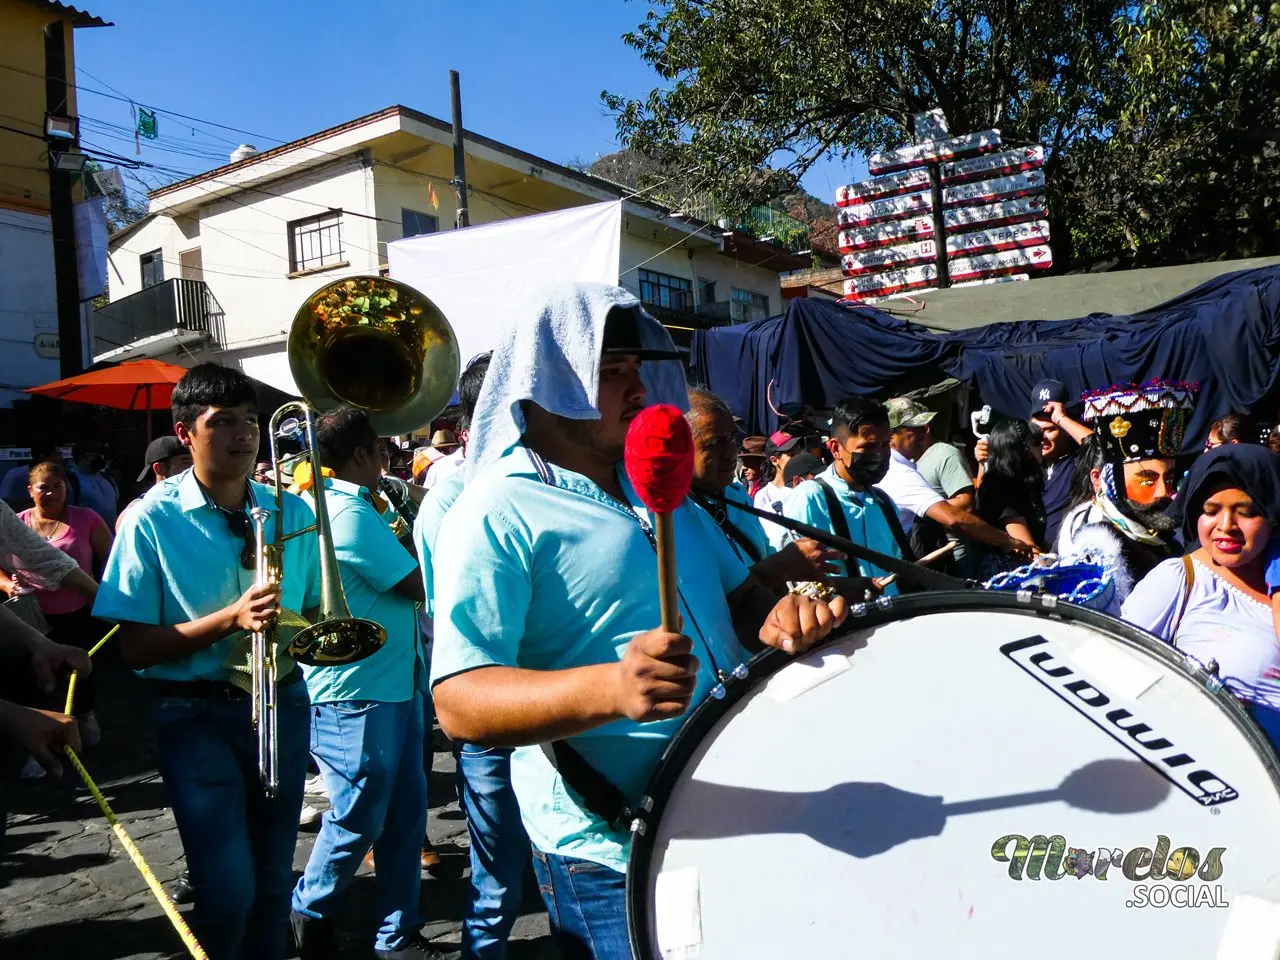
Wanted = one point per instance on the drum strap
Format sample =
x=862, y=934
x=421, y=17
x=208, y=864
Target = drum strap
x=598, y=795
x=730, y=529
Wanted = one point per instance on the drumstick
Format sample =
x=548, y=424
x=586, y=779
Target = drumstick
x=883, y=582
x=659, y=461
x=940, y=552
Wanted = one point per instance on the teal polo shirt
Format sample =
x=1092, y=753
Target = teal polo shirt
x=371, y=561
x=430, y=515
x=549, y=576
x=867, y=523
x=748, y=523
x=176, y=560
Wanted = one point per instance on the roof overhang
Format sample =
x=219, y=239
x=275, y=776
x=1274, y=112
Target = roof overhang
x=152, y=346
x=77, y=18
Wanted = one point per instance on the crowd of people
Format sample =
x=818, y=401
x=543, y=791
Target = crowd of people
x=512, y=566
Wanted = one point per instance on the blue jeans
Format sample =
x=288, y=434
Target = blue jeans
x=499, y=850
x=370, y=755
x=587, y=905
x=239, y=844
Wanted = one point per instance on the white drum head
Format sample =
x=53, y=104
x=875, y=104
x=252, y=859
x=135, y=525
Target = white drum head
x=873, y=797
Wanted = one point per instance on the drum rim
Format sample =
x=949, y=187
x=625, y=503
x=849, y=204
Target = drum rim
x=764, y=664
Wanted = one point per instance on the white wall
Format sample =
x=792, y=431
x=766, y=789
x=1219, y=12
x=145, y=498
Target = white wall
x=27, y=302
x=124, y=272
x=244, y=247
x=707, y=263
x=726, y=273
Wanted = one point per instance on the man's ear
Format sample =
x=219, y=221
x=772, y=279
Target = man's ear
x=181, y=431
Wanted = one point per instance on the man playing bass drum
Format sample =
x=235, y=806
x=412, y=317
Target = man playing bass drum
x=546, y=598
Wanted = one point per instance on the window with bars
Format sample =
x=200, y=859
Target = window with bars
x=664, y=290
x=315, y=242
x=755, y=306
x=152, y=268
x=415, y=224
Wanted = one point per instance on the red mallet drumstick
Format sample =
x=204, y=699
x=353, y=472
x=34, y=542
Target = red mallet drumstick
x=659, y=461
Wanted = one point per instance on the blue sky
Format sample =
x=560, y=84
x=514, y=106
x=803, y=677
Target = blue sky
x=532, y=72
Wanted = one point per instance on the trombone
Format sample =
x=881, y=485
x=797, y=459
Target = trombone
x=383, y=347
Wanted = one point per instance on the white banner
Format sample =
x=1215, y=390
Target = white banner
x=890, y=208
x=921, y=153
x=895, y=183
x=870, y=237
x=1008, y=261
x=894, y=281
x=483, y=276
x=993, y=164
x=996, y=214
x=1001, y=188
x=904, y=255
x=999, y=238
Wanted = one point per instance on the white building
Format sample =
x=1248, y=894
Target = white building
x=223, y=260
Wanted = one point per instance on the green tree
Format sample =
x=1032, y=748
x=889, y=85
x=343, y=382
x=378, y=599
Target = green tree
x=1153, y=114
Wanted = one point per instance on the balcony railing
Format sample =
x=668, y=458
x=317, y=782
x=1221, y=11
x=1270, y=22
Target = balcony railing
x=174, y=305
x=762, y=222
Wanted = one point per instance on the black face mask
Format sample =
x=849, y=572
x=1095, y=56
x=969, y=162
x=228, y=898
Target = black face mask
x=869, y=468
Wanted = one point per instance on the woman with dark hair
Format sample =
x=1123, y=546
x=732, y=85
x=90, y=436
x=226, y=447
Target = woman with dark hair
x=1233, y=428
x=1214, y=604
x=1084, y=492
x=1011, y=491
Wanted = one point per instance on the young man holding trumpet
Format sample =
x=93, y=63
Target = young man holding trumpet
x=368, y=717
x=182, y=583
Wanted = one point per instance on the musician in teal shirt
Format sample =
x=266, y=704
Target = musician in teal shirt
x=547, y=624
x=860, y=444
x=180, y=582
x=367, y=723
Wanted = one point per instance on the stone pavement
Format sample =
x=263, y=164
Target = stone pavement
x=68, y=890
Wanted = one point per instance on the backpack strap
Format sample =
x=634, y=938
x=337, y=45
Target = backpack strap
x=838, y=520
x=890, y=511
x=1188, y=581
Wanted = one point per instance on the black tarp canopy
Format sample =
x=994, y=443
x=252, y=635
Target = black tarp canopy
x=1223, y=334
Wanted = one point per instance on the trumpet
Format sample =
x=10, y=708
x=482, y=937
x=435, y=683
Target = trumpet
x=399, y=362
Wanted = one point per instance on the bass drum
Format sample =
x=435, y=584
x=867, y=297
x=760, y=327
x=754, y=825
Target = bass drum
x=964, y=776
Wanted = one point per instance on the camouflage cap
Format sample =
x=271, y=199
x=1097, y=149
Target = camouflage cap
x=907, y=413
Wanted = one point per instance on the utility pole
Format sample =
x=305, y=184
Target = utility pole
x=61, y=215
x=459, y=152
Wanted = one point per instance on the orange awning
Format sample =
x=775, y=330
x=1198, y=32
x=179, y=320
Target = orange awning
x=132, y=385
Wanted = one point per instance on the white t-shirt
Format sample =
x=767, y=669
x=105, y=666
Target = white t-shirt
x=444, y=467
x=908, y=490
x=774, y=499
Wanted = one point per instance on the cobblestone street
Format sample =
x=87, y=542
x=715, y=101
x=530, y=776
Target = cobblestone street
x=67, y=888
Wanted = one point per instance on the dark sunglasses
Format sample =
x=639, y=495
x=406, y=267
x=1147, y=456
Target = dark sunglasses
x=241, y=526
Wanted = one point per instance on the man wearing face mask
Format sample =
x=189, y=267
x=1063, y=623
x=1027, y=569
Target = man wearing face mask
x=843, y=499
x=90, y=486
x=1127, y=524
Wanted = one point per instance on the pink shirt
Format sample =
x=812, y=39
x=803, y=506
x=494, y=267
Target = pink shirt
x=74, y=539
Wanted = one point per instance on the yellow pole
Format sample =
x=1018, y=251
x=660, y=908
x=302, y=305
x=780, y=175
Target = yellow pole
x=71, y=684
x=188, y=938
x=167, y=905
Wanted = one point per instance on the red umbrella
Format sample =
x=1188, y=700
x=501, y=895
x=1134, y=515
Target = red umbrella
x=132, y=385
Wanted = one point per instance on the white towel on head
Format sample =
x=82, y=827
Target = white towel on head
x=551, y=356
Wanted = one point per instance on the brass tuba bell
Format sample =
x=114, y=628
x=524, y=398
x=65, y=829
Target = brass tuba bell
x=378, y=345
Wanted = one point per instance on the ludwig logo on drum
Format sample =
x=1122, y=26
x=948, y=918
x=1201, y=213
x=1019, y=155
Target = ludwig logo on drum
x=1181, y=769
x=1052, y=858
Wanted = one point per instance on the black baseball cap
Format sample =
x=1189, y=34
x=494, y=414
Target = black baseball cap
x=801, y=465
x=1047, y=391
x=622, y=336
x=161, y=448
